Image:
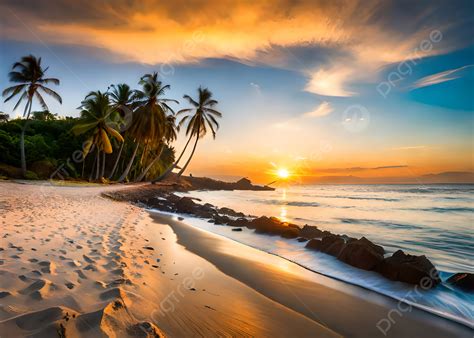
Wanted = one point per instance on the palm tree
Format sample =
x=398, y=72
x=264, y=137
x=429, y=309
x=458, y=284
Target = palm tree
x=198, y=118
x=122, y=99
x=4, y=117
x=32, y=84
x=169, y=135
x=147, y=127
x=97, y=119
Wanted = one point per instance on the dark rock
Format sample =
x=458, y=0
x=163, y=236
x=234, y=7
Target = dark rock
x=273, y=226
x=186, y=205
x=263, y=223
x=204, y=211
x=209, y=206
x=302, y=239
x=230, y=212
x=205, y=183
x=310, y=232
x=219, y=220
x=314, y=244
x=364, y=241
x=172, y=198
x=237, y=229
x=239, y=222
x=290, y=233
x=362, y=254
x=462, y=280
x=332, y=244
x=410, y=269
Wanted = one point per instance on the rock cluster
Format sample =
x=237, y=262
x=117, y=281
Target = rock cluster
x=360, y=253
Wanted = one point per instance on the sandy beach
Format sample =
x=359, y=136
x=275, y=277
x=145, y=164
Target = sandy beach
x=76, y=264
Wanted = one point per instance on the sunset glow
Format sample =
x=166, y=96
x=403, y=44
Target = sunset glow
x=318, y=86
x=283, y=173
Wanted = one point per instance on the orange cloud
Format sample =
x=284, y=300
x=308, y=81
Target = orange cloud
x=188, y=31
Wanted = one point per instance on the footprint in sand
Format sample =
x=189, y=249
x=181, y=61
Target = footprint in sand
x=47, y=267
x=80, y=274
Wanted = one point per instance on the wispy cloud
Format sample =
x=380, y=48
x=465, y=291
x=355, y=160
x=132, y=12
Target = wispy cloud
x=441, y=77
x=409, y=148
x=360, y=169
x=254, y=85
x=322, y=110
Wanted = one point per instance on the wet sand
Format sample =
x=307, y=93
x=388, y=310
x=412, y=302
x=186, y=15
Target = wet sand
x=349, y=310
x=75, y=264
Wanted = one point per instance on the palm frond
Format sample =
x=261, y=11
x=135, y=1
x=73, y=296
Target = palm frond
x=13, y=91
x=49, y=80
x=41, y=100
x=51, y=92
x=212, y=111
x=191, y=100
x=22, y=97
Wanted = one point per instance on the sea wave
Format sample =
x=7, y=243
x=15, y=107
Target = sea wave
x=380, y=223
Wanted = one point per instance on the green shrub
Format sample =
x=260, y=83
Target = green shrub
x=31, y=175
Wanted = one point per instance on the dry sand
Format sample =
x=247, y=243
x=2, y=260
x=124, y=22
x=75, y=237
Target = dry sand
x=75, y=264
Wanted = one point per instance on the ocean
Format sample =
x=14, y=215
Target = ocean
x=432, y=220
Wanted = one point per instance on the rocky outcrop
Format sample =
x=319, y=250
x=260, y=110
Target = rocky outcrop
x=310, y=232
x=221, y=220
x=362, y=254
x=330, y=244
x=314, y=244
x=186, y=205
x=273, y=226
x=462, y=280
x=205, y=183
x=410, y=269
x=239, y=222
x=230, y=212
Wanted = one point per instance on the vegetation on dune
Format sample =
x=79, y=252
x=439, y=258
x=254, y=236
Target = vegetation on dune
x=121, y=135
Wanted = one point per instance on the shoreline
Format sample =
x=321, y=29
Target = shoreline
x=441, y=315
x=304, y=283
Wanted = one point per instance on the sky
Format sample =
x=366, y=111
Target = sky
x=350, y=90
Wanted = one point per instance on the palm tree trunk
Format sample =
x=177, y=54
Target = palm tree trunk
x=190, y=156
x=129, y=165
x=116, y=162
x=170, y=169
x=97, y=171
x=22, y=138
x=83, y=166
x=92, y=169
x=103, y=165
x=152, y=163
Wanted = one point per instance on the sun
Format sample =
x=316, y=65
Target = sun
x=283, y=173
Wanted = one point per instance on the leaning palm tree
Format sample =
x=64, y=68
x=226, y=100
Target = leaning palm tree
x=122, y=99
x=203, y=111
x=147, y=127
x=198, y=118
x=98, y=121
x=29, y=75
